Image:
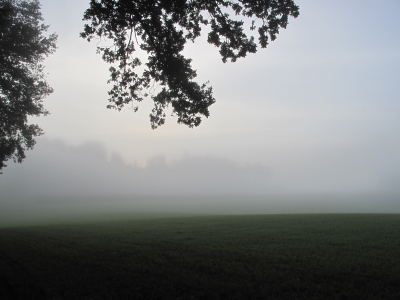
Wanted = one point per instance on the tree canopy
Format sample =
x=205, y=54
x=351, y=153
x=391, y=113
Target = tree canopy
x=161, y=28
x=23, y=86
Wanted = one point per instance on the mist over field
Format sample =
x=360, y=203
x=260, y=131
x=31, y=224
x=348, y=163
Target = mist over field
x=60, y=182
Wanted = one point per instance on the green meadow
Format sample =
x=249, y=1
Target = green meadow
x=301, y=256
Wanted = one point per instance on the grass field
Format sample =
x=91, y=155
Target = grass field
x=342, y=256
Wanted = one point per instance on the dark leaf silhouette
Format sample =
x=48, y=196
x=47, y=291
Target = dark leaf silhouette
x=23, y=47
x=161, y=28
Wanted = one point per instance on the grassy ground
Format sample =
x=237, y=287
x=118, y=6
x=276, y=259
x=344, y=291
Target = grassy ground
x=340, y=256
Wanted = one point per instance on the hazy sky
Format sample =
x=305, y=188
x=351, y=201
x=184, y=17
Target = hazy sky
x=317, y=111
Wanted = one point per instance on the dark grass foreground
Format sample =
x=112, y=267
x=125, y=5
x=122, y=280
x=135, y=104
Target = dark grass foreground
x=228, y=257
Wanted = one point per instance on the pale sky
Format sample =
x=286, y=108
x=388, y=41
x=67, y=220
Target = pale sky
x=317, y=111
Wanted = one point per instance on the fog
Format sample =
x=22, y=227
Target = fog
x=60, y=182
x=309, y=125
x=88, y=170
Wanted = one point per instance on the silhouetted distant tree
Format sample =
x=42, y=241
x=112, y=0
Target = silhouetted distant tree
x=162, y=28
x=23, y=46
